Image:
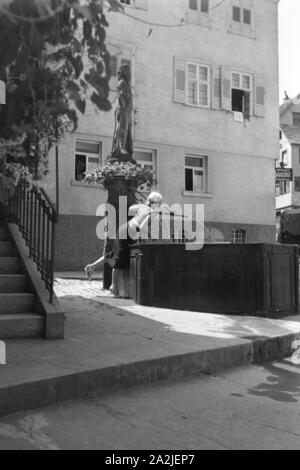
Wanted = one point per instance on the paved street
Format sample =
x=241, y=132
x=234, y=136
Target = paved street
x=249, y=408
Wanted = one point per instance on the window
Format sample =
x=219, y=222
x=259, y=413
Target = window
x=284, y=158
x=198, y=12
x=296, y=119
x=247, y=16
x=242, y=18
x=195, y=173
x=284, y=187
x=116, y=61
x=87, y=157
x=199, y=5
x=120, y=54
x=142, y=4
x=197, y=85
x=241, y=15
x=236, y=13
x=238, y=236
x=145, y=158
x=241, y=86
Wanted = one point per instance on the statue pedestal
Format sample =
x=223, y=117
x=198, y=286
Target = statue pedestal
x=120, y=186
x=124, y=283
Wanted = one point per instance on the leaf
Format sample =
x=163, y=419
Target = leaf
x=101, y=103
x=73, y=90
x=77, y=64
x=80, y=105
x=71, y=113
x=87, y=30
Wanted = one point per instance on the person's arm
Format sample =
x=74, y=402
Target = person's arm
x=140, y=219
x=95, y=265
x=138, y=223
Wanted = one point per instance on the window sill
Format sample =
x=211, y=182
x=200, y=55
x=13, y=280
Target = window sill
x=82, y=184
x=194, y=194
x=201, y=106
x=245, y=34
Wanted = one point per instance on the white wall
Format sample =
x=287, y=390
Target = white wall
x=241, y=155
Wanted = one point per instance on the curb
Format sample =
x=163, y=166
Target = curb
x=37, y=394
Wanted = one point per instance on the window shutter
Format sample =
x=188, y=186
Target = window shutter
x=119, y=55
x=247, y=105
x=114, y=72
x=179, y=80
x=141, y=4
x=259, y=96
x=226, y=89
x=216, y=88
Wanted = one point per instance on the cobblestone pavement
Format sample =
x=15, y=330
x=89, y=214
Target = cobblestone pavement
x=78, y=287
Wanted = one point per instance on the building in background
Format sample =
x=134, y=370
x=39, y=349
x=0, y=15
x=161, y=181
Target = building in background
x=205, y=89
x=288, y=164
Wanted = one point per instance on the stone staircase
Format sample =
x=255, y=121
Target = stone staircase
x=18, y=317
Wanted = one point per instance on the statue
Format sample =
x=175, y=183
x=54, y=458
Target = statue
x=122, y=147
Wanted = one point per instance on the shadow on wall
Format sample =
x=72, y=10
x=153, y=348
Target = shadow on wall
x=76, y=242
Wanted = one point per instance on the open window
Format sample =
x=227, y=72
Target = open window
x=241, y=88
x=195, y=174
x=87, y=157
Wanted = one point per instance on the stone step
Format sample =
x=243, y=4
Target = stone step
x=6, y=248
x=4, y=235
x=13, y=283
x=16, y=326
x=17, y=303
x=9, y=265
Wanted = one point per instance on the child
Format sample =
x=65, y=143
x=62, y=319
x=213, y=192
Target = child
x=130, y=232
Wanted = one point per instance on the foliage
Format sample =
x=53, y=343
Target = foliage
x=105, y=175
x=53, y=59
x=16, y=172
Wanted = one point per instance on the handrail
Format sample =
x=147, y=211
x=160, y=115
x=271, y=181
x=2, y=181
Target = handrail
x=34, y=213
x=51, y=204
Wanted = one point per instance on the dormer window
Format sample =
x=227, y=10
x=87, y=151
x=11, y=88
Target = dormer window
x=247, y=16
x=242, y=17
x=198, y=12
x=199, y=5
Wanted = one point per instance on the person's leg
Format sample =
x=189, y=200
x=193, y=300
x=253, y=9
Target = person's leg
x=114, y=284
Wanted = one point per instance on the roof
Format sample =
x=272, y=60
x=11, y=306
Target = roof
x=292, y=133
x=288, y=103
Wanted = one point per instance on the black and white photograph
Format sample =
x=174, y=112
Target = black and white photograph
x=149, y=228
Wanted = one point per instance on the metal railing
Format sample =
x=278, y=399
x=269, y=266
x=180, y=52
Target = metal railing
x=36, y=216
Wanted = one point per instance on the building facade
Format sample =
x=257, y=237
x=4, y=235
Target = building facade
x=205, y=90
x=288, y=192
